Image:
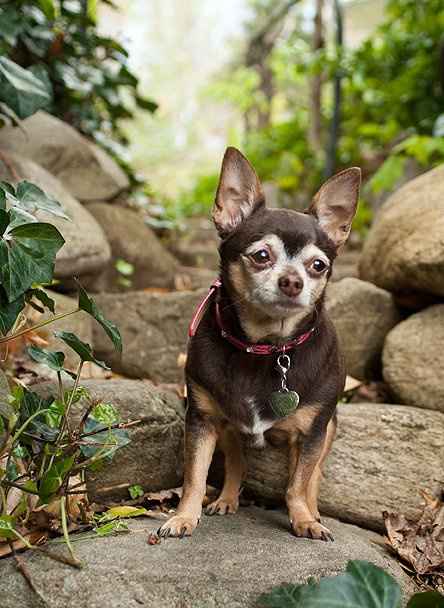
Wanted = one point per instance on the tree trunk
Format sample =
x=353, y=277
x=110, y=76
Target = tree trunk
x=315, y=134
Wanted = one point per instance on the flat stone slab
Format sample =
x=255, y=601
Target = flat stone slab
x=228, y=562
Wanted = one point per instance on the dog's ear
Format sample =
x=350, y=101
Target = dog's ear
x=239, y=192
x=335, y=203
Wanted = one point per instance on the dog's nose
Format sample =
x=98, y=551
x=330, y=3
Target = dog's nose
x=291, y=284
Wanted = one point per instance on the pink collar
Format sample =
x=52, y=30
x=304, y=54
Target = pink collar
x=255, y=349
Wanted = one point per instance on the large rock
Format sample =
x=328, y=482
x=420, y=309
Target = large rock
x=363, y=315
x=228, y=563
x=197, y=244
x=413, y=360
x=133, y=241
x=153, y=458
x=85, y=170
x=86, y=249
x=404, y=249
x=154, y=332
x=382, y=456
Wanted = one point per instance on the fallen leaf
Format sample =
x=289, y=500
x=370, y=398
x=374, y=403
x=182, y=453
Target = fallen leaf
x=351, y=384
x=419, y=543
x=124, y=511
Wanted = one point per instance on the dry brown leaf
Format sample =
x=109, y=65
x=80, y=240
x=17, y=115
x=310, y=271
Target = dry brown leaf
x=34, y=538
x=420, y=543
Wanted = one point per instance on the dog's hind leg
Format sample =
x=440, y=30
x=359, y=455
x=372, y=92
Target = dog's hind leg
x=235, y=468
x=200, y=441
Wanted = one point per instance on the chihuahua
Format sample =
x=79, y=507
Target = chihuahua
x=263, y=360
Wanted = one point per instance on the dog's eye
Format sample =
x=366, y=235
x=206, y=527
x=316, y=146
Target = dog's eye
x=261, y=257
x=319, y=265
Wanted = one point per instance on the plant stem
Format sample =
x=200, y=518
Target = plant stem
x=11, y=484
x=38, y=326
x=65, y=529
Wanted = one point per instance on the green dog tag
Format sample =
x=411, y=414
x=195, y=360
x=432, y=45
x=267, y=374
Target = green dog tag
x=284, y=402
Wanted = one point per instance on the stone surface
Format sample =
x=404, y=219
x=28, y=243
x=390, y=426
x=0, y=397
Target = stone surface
x=86, y=249
x=197, y=244
x=133, y=241
x=228, y=563
x=154, y=332
x=413, y=359
x=363, y=315
x=382, y=456
x=153, y=458
x=404, y=250
x=85, y=170
x=80, y=324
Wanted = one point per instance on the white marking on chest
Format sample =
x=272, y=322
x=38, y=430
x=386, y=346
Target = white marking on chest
x=258, y=426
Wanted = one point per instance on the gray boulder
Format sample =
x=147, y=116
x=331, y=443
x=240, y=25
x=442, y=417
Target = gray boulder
x=404, y=249
x=228, y=563
x=363, y=315
x=84, y=169
x=153, y=458
x=86, y=249
x=133, y=241
x=413, y=359
x=154, y=332
x=197, y=244
x=382, y=456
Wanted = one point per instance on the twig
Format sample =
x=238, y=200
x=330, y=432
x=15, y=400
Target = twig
x=38, y=326
x=63, y=559
x=11, y=484
x=118, y=425
x=23, y=569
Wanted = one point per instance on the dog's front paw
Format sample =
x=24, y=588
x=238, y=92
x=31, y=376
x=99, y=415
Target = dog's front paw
x=178, y=525
x=311, y=529
x=222, y=506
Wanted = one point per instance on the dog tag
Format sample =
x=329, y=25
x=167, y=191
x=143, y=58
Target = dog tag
x=283, y=402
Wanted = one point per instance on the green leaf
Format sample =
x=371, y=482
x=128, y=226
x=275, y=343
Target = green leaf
x=103, y=444
x=91, y=9
x=146, y=104
x=363, y=585
x=123, y=511
x=9, y=311
x=6, y=409
x=54, y=360
x=54, y=478
x=388, y=174
x=21, y=90
x=428, y=599
x=83, y=349
x=27, y=256
x=7, y=526
x=124, y=267
x=135, y=491
x=31, y=198
x=105, y=413
x=50, y=9
x=87, y=304
x=30, y=404
x=42, y=297
x=5, y=217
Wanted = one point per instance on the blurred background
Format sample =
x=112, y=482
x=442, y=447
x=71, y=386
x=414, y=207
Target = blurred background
x=303, y=87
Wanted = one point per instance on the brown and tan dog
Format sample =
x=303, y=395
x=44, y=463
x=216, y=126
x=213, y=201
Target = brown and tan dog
x=264, y=359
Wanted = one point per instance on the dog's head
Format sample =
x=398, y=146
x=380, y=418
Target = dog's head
x=277, y=261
